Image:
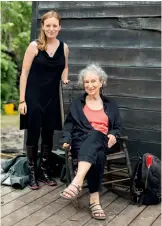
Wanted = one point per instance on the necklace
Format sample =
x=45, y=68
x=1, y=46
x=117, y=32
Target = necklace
x=52, y=52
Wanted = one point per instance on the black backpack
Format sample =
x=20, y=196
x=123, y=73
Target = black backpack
x=146, y=180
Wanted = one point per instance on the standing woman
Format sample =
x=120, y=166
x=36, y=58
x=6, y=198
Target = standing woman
x=45, y=64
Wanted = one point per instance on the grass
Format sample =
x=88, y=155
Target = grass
x=10, y=121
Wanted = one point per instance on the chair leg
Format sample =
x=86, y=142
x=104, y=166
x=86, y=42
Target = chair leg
x=128, y=166
x=70, y=174
x=69, y=170
x=127, y=160
x=109, y=177
x=115, y=181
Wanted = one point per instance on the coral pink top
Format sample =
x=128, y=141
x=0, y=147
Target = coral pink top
x=97, y=118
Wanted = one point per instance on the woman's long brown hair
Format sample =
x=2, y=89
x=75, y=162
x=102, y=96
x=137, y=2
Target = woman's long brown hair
x=42, y=40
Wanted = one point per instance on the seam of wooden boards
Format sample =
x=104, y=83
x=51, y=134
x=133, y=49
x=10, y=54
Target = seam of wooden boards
x=38, y=209
x=120, y=4
x=43, y=206
x=156, y=219
x=101, y=6
x=116, y=66
x=20, y=195
x=79, y=209
x=115, y=96
x=138, y=97
x=145, y=141
x=116, y=47
x=112, y=66
x=110, y=29
x=137, y=215
x=121, y=78
x=32, y=200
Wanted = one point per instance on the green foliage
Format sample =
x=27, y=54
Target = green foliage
x=15, y=34
x=16, y=24
x=8, y=77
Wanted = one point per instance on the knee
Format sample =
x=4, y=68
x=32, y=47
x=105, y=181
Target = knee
x=32, y=137
x=47, y=136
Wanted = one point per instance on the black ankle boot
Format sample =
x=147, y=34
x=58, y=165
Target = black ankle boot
x=32, y=161
x=44, y=166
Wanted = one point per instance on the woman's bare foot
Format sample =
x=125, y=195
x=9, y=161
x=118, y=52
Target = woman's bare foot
x=73, y=190
x=95, y=206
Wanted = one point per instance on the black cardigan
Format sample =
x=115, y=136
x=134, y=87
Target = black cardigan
x=77, y=126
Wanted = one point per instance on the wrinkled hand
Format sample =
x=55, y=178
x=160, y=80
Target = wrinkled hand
x=112, y=140
x=22, y=108
x=66, y=146
x=65, y=81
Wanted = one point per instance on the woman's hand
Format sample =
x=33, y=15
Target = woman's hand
x=22, y=108
x=112, y=140
x=65, y=81
x=66, y=146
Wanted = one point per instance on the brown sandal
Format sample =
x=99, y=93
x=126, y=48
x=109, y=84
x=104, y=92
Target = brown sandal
x=73, y=193
x=96, y=211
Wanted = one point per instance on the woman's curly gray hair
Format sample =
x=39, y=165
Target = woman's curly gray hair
x=92, y=68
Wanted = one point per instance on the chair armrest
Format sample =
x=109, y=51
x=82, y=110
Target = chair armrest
x=122, y=138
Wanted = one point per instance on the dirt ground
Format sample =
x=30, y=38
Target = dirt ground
x=11, y=137
x=10, y=121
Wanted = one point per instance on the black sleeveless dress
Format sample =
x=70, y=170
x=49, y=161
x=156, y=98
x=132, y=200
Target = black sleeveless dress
x=42, y=90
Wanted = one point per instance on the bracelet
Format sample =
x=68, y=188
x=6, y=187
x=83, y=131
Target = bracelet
x=21, y=102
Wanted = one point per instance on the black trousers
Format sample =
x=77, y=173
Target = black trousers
x=93, y=150
x=40, y=123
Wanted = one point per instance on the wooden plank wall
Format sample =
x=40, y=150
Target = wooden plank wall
x=124, y=38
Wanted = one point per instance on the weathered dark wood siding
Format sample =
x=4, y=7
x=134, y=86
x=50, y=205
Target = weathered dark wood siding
x=124, y=38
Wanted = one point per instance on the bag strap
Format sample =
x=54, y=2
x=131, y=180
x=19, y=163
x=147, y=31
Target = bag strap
x=139, y=154
x=135, y=190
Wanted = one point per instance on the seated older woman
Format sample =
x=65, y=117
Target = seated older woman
x=90, y=130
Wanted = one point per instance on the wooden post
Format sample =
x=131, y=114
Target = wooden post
x=61, y=104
